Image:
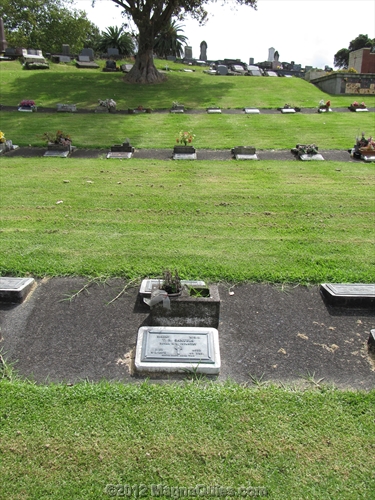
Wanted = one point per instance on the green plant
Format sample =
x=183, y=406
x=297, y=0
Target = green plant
x=185, y=138
x=107, y=103
x=171, y=283
x=59, y=137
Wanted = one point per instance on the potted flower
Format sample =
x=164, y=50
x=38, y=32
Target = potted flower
x=171, y=283
x=324, y=106
x=356, y=106
x=177, y=107
x=59, y=141
x=185, y=140
x=27, y=105
x=305, y=149
x=363, y=147
x=106, y=106
x=2, y=142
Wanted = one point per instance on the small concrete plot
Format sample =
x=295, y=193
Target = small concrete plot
x=350, y=295
x=195, y=307
x=177, y=350
x=15, y=289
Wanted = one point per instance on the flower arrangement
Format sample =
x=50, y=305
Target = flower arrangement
x=59, y=137
x=185, y=138
x=27, y=103
x=107, y=103
x=356, y=105
x=324, y=105
x=2, y=137
x=364, y=144
x=302, y=149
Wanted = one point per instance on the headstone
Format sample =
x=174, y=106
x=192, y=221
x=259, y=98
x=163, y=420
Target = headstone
x=113, y=51
x=177, y=350
x=89, y=53
x=213, y=111
x=67, y=108
x=188, y=52
x=350, y=295
x=15, y=289
x=82, y=58
x=238, y=68
x=288, y=111
x=271, y=54
x=184, y=156
x=3, y=42
x=110, y=64
x=309, y=157
x=57, y=153
x=251, y=61
x=65, y=50
x=222, y=69
x=271, y=73
x=64, y=59
x=251, y=111
x=203, y=53
x=171, y=58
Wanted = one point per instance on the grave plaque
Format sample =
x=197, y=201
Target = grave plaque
x=57, y=153
x=251, y=111
x=177, y=349
x=355, y=295
x=148, y=284
x=181, y=156
x=15, y=289
x=119, y=154
x=309, y=157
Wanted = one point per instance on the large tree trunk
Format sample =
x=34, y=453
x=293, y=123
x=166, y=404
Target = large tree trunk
x=144, y=70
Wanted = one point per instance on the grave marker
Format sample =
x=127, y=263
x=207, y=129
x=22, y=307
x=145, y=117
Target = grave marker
x=177, y=350
x=15, y=289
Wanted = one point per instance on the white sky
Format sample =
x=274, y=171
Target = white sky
x=308, y=32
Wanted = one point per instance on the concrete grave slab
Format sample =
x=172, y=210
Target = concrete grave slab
x=213, y=111
x=350, y=295
x=15, y=289
x=251, y=111
x=179, y=156
x=119, y=155
x=246, y=157
x=288, y=111
x=310, y=157
x=57, y=154
x=177, y=350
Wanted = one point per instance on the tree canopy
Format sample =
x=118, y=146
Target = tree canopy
x=45, y=25
x=118, y=38
x=341, y=58
x=151, y=17
x=170, y=41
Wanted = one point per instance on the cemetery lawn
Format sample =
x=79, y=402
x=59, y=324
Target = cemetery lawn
x=160, y=130
x=262, y=221
x=64, y=442
x=64, y=83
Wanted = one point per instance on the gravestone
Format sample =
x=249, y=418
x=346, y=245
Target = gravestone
x=89, y=53
x=271, y=54
x=65, y=50
x=82, y=58
x=122, y=151
x=222, y=69
x=203, y=54
x=271, y=73
x=15, y=289
x=171, y=58
x=188, y=52
x=67, y=108
x=244, y=153
x=113, y=51
x=177, y=350
x=64, y=59
x=251, y=61
x=349, y=295
x=111, y=65
x=251, y=111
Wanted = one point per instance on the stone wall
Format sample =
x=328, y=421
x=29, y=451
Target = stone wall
x=347, y=83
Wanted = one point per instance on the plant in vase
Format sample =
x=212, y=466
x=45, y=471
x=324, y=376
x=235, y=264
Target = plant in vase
x=305, y=149
x=27, y=105
x=2, y=141
x=185, y=140
x=363, y=147
x=356, y=105
x=324, y=106
x=107, y=104
x=171, y=283
x=58, y=140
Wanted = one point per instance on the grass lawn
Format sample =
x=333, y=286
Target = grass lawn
x=65, y=442
x=263, y=221
x=237, y=221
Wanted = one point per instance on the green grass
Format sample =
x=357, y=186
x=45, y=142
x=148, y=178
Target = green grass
x=334, y=131
x=263, y=221
x=64, y=442
x=64, y=83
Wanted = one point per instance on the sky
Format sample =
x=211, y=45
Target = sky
x=308, y=32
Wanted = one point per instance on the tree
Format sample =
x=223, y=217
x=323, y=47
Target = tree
x=117, y=38
x=341, y=58
x=45, y=25
x=150, y=18
x=169, y=42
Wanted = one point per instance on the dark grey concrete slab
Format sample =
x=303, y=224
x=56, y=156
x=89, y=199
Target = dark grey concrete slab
x=280, y=334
